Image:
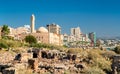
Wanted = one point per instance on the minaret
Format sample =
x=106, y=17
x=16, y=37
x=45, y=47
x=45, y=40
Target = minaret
x=32, y=23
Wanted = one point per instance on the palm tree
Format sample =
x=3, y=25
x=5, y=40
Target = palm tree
x=5, y=30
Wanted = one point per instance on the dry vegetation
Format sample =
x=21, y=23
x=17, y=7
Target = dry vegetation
x=98, y=61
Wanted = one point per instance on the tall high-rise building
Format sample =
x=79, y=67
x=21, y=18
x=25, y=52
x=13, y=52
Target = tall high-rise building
x=75, y=31
x=32, y=23
x=92, y=37
x=54, y=28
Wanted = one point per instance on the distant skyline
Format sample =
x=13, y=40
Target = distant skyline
x=100, y=16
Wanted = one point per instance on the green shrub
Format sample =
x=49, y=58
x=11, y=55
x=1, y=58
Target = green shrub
x=3, y=45
x=14, y=44
x=49, y=46
x=30, y=39
x=117, y=49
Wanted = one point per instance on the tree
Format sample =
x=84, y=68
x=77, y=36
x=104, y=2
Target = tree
x=117, y=49
x=5, y=31
x=30, y=39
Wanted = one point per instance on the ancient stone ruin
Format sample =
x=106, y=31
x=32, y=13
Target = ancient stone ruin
x=42, y=61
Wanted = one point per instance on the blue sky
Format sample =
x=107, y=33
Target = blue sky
x=100, y=16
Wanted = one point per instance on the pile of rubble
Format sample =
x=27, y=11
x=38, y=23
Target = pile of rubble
x=44, y=61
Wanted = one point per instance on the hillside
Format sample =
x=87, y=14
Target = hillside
x=67, y=61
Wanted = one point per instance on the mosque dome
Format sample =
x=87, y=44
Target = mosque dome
x=42, y=29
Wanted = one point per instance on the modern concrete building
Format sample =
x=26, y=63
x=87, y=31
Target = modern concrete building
x=55, y=36
x=92, y=37
x=76, y=38
x=54, y=28
x=76, y=34
x=76, y=31
x=66, y=39
x=54, y=39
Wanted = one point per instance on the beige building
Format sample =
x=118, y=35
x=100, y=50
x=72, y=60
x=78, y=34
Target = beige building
x=54, y=28
x=43, y=36
x=51, y=35
x=55, y=36
x=76, y=34
x=16, y=32
x=46, y=37
x=55, y=39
